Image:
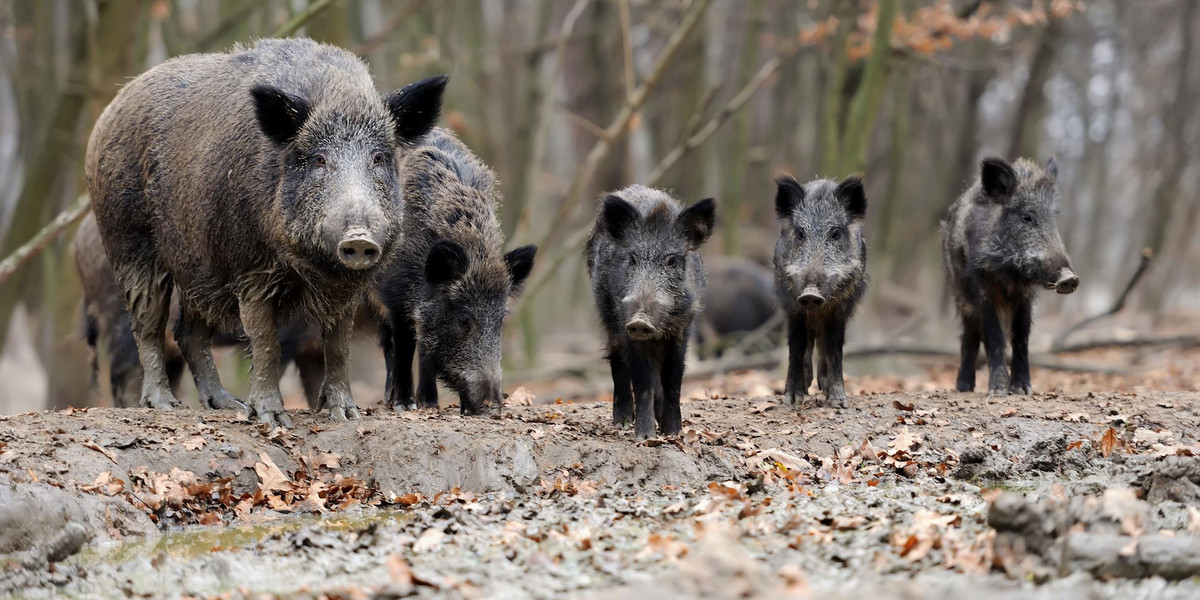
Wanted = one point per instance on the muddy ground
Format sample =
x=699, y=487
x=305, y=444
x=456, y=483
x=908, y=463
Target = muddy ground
x=757, y=499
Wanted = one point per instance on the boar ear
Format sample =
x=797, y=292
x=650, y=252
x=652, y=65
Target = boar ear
x=1052, y=168
x=853, y=197
x=520, y=263
x=445, y=263
x=280, y=114
x=618, y=216
x=697, y=221
x=997, y=177
x=415, y=108
x=788, y=194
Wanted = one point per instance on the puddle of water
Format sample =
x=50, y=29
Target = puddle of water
x=194, y=541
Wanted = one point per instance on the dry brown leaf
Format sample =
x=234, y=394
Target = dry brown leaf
x=106, y=484
x=904, y=441
x=271, y=478
x=1008, y=412
x=195, y=443
x=102, y=450
x=846, y=523
x=429, y=540
x=898, y=405
x=520, y=397
x=399, y=570
x=783, y=460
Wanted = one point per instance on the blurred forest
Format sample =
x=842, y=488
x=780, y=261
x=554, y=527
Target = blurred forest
x=568, y=98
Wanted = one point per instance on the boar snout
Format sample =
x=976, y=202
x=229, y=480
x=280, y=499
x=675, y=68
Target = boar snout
x=1067, y=281
x=358, y=250
x=640, y=328
x=811, y=298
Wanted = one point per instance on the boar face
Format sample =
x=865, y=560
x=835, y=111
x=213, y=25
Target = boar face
x=461, y=318
x=339, y=195
x=820, y=252
x=1023, y=243
x=652, y=264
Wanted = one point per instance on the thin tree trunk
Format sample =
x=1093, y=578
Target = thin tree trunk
x=864, y=109
x=1024, y=140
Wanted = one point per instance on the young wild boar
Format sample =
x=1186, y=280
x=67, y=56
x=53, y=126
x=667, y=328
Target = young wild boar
x=648, y=280
x=263, y=184
x=446, y=293
x=106, y=325
x=1000, y=241
x=820, y=276
x=739, y=300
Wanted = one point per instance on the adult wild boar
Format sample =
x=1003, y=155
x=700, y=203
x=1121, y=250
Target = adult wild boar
x=820, y=276
x=263, y=183
x=648, y=280
x=1000, y=242
x=446, y=293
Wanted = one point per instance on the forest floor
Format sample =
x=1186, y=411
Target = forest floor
x=916, y=494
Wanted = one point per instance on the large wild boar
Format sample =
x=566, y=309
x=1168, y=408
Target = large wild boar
x=648, y=280
x=108, y=332
x=1000, y=242
x=263, y=184
x=820, y=276
x=445, y=295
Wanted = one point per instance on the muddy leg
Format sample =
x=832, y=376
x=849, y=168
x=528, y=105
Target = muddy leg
x=832, y=340
x=993, y=342
x=670, y=421
x=1022, y=322
x=258, y=319
x=310, y=364
x=195, y=339
x=968, y=353
x=335, y=391
x=148, y=297
x=798, y=356
x=622, y=388
x=404, y=345
x=427, y=392
x=642, y=374
x=809, y=355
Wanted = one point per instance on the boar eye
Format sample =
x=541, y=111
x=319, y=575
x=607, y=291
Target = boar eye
x=671, y=261
x=319, y=159
x=835, y=234
x=632, y=260
x=1028, y=218
x=379, y=158
x=466, y=325
x=800, y=234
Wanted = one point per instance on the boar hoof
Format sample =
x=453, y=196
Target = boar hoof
x=159, y=398
x=642, y=436
x=269, y=408
x=997, y=392
x=410, y=404
x=340, y=405
x=222, y=399
x=836, y=399
x=794, y=398
x=1025, y=388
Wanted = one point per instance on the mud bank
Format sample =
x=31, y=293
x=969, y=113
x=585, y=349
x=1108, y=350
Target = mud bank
x=755, y=499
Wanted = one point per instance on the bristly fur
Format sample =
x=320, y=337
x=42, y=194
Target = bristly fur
x=820, y=247
x=234, y=176
x=1000, y=242
x=644, y=262
x=447, y=291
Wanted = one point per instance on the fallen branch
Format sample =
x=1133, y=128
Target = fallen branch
x=1177, y=341
x=35, y=245
x=1143, y=266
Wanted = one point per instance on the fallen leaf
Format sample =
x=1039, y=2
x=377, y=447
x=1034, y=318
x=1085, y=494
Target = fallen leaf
x=520, y=397
x=762, y=407
x=195, y=443
x=1008, y=412
x=904, y=441
x=429, y=540
x=399, y=570
x=102, y=450
x=847, y=523
x=898, y=405
x=537, y=434
x=270, y=477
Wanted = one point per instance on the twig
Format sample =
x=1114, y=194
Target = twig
x=1143, y=266
x=759, y=333
x=35, y=245
x=1178, y=341
x=303, y=18
x=627, y=44
x=699, y=137
x=372, y=43
x=584, y=123
x=697, y=119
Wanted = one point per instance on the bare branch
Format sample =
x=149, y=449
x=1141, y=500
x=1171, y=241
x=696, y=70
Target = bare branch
x=374, y=42
x=303, y=18
x=35, y=245
x=583, y=122
x=1143, y=266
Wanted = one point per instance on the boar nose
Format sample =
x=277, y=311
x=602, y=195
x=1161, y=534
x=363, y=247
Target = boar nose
x=358, y=250
x=1067, y=282
x=640, y=328
x=811, y=298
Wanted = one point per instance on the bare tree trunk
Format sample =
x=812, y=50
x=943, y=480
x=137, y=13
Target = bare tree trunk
x=864, y=109
x=1024, y=140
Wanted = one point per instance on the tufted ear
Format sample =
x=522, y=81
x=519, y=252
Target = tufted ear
x=998, y=178
x=1052, y=168
x=415, y=108
x=698, y=221
x=280, y=114
x=520, y=264
x=618, y=216
x=853, y=197
x=788, y=195
x=446, y=263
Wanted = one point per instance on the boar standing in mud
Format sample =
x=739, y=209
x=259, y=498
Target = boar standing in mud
x=648, y=280
x=820, y=277
x=1000, y=242
x=106, y=326
x=445, y=296
x=262, y=183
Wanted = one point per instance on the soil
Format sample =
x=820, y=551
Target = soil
x=903, y=495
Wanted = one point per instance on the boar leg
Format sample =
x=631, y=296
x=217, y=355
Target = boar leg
x=644, y=378
x=969, y=352
x=1022, y=322
x=809, y=355
x=427, y=392
x=798, y=355
x=258, y=319
x=670, y=421
x=404, y=345
x=622, y=388
x=335, y=390
x=993, y=342
x=832, y=339
x=195, y=340
x=148, y=297
x=310, y=365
